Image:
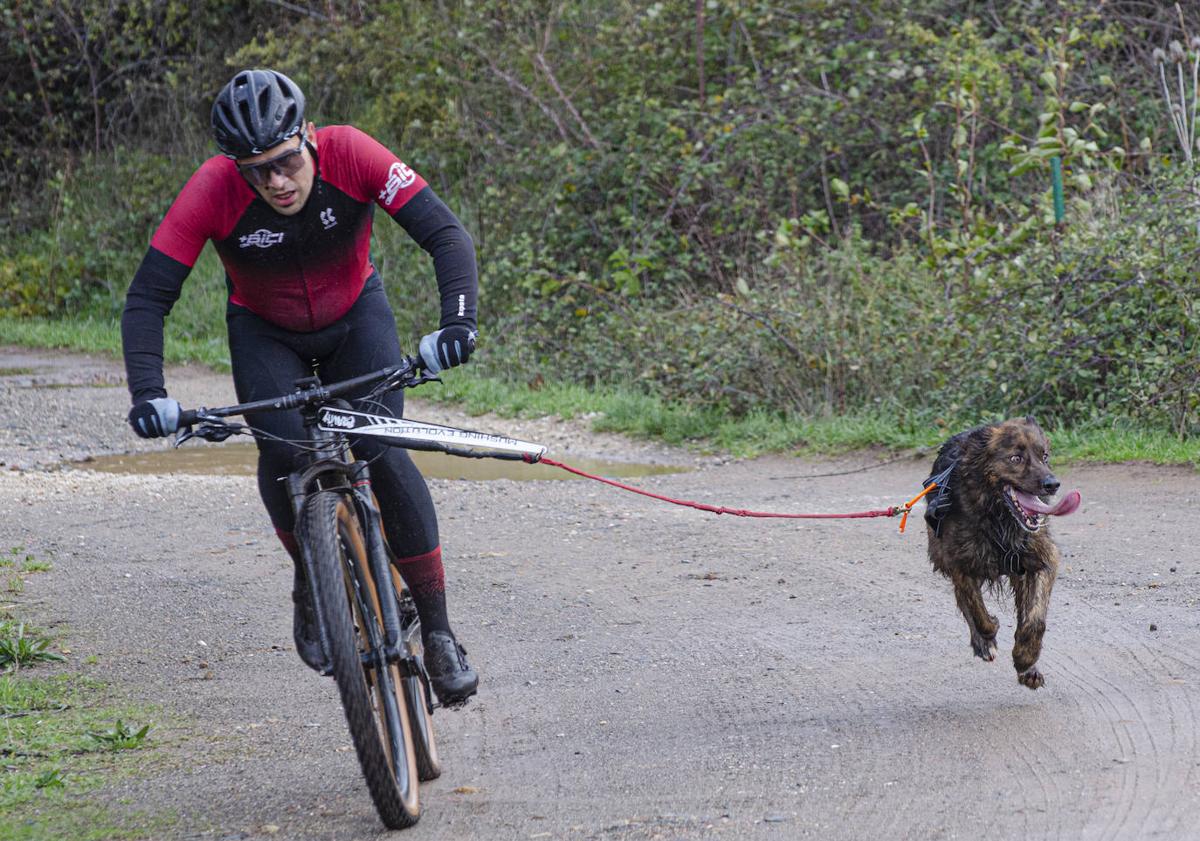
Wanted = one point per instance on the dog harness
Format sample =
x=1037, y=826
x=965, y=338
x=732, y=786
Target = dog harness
x=938, y=505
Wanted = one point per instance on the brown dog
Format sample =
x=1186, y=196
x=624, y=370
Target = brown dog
x=987, y=522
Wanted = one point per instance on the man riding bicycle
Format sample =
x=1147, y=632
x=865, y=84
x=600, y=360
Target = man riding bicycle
x=289, y=208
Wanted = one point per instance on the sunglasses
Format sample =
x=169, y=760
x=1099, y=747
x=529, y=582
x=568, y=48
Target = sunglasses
x=287, y=165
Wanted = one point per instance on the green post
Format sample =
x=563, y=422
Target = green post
x=1056, y=179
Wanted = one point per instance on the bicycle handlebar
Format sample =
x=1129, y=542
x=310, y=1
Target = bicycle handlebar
x=408, y=373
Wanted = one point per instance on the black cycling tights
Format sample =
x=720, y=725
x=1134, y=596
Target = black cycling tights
x=268, y=360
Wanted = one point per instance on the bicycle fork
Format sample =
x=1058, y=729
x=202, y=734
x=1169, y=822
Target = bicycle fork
x=300, y=486
x=379, y=556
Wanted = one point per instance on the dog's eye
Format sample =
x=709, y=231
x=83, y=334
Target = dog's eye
x=1015, y=458
x=1045, y=458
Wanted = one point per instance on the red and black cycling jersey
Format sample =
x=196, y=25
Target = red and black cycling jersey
x=301, y=272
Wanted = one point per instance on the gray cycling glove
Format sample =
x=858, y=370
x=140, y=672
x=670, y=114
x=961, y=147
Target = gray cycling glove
x=447, y=347
x=155, y=418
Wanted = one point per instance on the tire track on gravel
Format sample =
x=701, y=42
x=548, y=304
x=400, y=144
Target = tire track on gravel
x=1183, y=728
x=1116, y=709
x=1044, y=774
x=1170, y=754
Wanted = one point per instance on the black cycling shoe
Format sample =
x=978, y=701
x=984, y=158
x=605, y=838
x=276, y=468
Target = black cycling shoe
x=304, y=628
x=452, y=679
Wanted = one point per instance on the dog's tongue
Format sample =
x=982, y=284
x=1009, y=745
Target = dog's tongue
x=1067, y=505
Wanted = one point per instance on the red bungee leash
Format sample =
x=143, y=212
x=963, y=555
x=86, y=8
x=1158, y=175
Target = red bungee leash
x=890, y=511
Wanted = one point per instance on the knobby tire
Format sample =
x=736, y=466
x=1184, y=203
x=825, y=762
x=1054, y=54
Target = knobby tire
x=376, y=711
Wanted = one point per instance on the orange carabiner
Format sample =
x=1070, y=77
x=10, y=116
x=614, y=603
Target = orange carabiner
x=908, y=506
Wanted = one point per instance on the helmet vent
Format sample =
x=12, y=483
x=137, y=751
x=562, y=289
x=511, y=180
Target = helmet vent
x=256, y=110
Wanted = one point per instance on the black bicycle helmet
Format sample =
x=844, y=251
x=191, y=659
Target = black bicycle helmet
x=258, y=109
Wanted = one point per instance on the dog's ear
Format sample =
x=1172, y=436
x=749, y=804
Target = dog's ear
x=977, y=439
x=973, y=444
x=1032, y=421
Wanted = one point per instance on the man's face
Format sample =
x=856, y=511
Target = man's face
x=282, y=175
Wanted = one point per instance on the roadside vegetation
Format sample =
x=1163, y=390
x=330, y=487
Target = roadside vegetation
x=761, y=225
x=61, y=735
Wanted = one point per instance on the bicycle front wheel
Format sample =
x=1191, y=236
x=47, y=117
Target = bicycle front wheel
x=371, y=689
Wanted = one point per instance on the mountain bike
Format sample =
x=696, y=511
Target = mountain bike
x=366, y=621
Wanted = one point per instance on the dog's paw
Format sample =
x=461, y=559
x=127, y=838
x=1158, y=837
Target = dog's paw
x=984, y=647
x=1031, y=677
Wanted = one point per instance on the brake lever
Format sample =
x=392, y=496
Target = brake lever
x=218, y=432
x=210, y=430
x=401, y=379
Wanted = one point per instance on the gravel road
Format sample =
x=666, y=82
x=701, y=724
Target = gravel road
x=648, y=671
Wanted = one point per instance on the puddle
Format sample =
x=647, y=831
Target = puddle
x=241, y=460
x=39, y=384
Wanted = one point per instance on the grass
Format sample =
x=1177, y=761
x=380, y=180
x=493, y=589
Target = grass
x=194, y=332
x=18, y=558
x=1121, y=443
x=120, y=736
x=92, y=335
x=626, y=411
x=20, y=648
x=643, y=416
x=61, y=737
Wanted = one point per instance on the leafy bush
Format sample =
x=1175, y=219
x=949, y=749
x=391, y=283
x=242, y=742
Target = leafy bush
x=808, y=209
x=1101, y=324
x=105, y=209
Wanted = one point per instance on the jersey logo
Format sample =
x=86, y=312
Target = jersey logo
x=399, y=177
x=327, y=218
x=262, y=238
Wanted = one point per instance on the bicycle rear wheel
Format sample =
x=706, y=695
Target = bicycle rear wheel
x=370, y=688
x=429, y=764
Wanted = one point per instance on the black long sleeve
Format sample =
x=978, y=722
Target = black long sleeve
x=436, y=229
x=154, y=290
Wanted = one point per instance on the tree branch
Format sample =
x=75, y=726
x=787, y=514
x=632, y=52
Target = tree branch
x=33, y=64
x=540, y=60
x=292, y=7
x=763, y=321
x=516, y=85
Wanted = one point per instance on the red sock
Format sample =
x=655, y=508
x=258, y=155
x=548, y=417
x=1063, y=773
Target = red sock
x=288, y=539
x=426, y=580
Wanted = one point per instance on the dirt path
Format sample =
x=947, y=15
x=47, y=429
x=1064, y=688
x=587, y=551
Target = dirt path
x=648, y=671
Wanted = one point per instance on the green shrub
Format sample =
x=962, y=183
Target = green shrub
x=105, y=209
x=792, y=209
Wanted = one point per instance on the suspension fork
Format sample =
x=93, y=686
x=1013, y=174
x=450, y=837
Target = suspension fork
x=333, y=459
x=377, y=557
x=381, y=567
x=329, y=461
